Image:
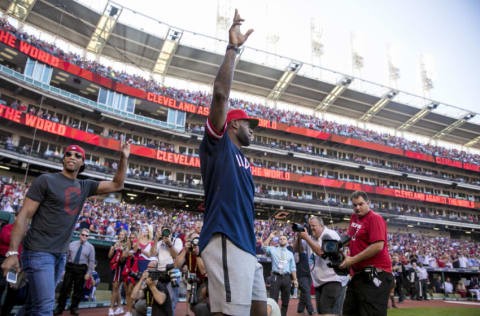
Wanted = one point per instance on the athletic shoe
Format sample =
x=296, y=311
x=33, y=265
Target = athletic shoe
x=111, y=312
x=119, y=310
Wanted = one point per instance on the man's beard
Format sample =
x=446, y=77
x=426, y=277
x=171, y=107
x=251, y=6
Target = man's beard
x=244, y=139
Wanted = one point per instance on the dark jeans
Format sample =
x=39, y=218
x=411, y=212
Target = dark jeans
x=364, y=298
x=304, y=286
x=43, y=271
x=74, y=277
x=399, y=289
x=281, y=283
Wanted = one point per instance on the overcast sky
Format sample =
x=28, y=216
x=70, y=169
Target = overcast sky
x=446, y=32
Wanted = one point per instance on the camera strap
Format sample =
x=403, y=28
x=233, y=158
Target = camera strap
x=190, y=263
x=149, y=298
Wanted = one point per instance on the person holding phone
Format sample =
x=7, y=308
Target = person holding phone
x=53, y=204
x=8, y=283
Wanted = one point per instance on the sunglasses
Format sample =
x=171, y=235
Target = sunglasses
x=86, y=235
x=74, y=154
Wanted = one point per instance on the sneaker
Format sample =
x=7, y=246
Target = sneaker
x=119, y=310
x=111, y=312
x=128, y=314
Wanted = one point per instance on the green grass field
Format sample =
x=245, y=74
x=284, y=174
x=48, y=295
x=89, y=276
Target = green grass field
x=435, y=311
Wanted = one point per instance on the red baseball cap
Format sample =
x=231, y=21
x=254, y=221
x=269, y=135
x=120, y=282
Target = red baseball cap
x=75, y=148
x=238, y=114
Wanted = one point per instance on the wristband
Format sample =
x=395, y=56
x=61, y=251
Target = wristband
x=234, y=48
x=11, y=253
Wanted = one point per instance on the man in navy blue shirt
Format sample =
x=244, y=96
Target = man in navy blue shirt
x=227, y=240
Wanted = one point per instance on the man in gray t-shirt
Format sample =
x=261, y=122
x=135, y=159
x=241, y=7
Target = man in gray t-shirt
x=53, y=204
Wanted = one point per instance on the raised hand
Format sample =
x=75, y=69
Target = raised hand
x=125, y=148
x=235, y=36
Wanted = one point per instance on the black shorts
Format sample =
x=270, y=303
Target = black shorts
x=326, y=297
x=364, y=298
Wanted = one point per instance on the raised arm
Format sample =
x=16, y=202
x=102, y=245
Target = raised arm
x=117, y=183
x=223, y=80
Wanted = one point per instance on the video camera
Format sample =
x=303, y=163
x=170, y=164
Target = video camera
x=298, y=228
x=333, y=250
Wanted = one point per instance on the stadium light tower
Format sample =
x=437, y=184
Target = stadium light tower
x=378, y=106
x=169, y=47
x=453, y=126
x=224, y=17
x=426, y=75
x=393, y=70
x=316, y=33
x=341, y=86
x=104, y=28
x=358, y=61
x=285, y=80
x=20, y=9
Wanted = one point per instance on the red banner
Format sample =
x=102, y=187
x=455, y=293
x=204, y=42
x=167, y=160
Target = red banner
x=53, y=61
x=471, y=166
x=418, y=156
x=448, y=162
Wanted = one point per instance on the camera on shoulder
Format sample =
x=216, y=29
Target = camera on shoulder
x=333, y=250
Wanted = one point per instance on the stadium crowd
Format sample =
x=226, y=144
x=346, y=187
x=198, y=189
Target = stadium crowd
x=143, y=173
x=107, y=219
x=254, y=109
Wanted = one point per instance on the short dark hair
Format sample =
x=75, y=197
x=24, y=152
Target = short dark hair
x=357, y=194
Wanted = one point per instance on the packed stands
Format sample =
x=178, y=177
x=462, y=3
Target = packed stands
x=253, y=109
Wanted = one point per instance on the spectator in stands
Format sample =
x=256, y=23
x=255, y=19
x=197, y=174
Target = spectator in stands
x=448, y=286
x=461, y=289
x=79, y=268
x=474, y=287
x=44, y=255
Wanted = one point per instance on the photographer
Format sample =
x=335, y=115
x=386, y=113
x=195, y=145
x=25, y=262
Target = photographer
x=399, y=272
x=166, y=248
x=152, y=294
x=304, y=278
x=368, y=291
x=326, y=281
x=283, y=270
x=196, y=268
